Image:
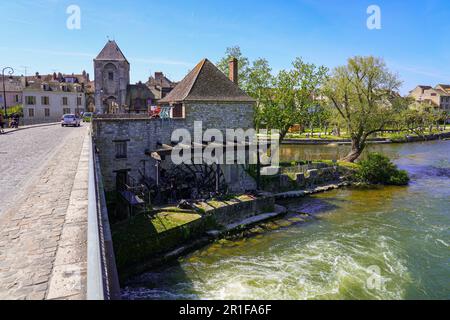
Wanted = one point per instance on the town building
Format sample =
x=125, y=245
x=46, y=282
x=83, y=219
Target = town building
x=438, y=97
x=112, y=79
x=137, y=148
x=113, y=91
x=139, y=98
x=13, y=91
x=160, y=85
x=46, y=100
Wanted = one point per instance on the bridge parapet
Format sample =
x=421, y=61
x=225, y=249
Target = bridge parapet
x=102, y=277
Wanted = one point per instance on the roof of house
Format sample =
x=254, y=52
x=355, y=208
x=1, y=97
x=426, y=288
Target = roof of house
x=111, y=51
x=53, y=86
x=139, y=90
x=207, y=83
x=160, y=80
x=445, y=87
x=13, y=84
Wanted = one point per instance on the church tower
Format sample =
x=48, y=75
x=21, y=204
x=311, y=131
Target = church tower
x=112, y=77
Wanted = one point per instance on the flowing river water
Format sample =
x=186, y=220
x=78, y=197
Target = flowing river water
x=378, y=243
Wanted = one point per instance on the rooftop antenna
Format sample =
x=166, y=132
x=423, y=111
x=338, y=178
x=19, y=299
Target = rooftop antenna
x=25, y=68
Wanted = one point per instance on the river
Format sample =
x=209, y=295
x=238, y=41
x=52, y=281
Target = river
x=380, y=243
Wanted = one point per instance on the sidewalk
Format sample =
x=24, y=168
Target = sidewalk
x=9, y=130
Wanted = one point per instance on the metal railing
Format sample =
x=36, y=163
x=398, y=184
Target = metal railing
x=102, y=278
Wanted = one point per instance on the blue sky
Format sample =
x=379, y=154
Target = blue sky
x=172, y=36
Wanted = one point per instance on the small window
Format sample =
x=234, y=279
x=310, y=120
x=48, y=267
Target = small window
x=31, y=113
x=16, y=98
x=178, y=111
x=121, y=149
x=66, y=110
x=111, y=76
x=79, y=101
x=47, y=112
x=31, y=101
x=65, y=101
x=45, y=101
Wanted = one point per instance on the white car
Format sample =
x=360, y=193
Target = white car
x=70, y=120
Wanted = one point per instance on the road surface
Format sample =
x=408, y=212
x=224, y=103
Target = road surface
x=43, y=201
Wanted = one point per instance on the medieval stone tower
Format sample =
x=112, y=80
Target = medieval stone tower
x=112, y=77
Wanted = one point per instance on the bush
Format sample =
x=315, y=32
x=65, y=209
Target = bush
x=378, y=169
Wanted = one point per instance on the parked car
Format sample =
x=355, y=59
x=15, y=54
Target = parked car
x=70, y=120
x=87, y=117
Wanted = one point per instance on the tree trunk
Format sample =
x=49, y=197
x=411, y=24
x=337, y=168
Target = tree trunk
x=355, y=153
x=283, y=134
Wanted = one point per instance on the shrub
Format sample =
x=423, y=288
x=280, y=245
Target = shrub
x=378, y=169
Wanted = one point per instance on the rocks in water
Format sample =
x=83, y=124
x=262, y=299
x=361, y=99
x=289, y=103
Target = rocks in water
x=186, y=205
x=314, y=173
x=284, y=181
x=300, y=179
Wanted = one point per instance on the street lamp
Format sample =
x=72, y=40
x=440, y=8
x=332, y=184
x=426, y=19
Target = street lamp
x=10, y=72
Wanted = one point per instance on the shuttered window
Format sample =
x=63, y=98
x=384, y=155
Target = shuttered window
x=178, y=111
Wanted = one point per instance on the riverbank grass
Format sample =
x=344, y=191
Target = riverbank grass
x=153, y=234
x=222, y=202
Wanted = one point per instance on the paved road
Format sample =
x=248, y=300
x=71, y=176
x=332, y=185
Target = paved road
x=23, y=154
x=42, y=212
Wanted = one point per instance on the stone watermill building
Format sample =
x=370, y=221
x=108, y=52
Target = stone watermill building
x=134, y=149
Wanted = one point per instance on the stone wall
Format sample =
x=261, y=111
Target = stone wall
x=236, y=212
x=142, y=135
x=303, y=180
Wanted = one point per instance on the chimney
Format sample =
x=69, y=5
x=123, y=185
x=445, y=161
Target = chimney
x=234, y=75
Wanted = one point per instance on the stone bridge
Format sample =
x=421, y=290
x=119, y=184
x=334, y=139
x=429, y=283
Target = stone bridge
x=54, y=233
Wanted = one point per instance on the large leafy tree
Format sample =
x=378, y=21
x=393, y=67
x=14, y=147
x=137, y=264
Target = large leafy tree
x=293, y=95
x=282, y=100
x=244, y=65
x=364, y=92
x=259, y=84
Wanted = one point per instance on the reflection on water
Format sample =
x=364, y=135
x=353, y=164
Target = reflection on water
x=402, y=232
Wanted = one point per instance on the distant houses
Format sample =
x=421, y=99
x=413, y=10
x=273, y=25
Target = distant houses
x=46, y=98
x=13, y=91
x=438, y=97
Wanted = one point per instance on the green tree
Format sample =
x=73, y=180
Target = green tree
x=244, y=65
x=259, y=84
x=364, y=94
x=418, y=118
x=378, y=169
x=293, y=94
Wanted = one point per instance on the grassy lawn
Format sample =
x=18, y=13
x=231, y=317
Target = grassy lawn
x=171, y=219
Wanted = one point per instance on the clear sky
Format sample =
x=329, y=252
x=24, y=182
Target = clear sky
x=172, y=36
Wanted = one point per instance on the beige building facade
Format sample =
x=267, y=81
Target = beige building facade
x=48, y=102
x=438, y=96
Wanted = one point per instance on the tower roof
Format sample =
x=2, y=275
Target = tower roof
x=207, y=83
x=111, y=51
